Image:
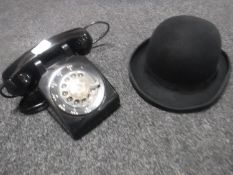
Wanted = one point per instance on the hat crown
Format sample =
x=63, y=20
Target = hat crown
x=184, y=50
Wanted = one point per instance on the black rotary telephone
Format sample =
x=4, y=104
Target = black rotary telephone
x=56, y=75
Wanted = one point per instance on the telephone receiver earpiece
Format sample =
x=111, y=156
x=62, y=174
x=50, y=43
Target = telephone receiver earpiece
x=22, y=76
x=82, y=44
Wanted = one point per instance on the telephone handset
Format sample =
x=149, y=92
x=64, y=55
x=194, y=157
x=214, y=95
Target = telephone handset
x=19, y=78
x=55, y=74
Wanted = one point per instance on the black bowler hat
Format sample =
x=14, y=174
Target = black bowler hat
x=181, y=68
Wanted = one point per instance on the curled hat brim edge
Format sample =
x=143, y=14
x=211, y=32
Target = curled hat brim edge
x=155, y=93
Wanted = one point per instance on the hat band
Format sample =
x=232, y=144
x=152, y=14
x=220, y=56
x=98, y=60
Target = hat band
x=179, y=86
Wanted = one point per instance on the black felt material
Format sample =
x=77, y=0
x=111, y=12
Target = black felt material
x=181, y=67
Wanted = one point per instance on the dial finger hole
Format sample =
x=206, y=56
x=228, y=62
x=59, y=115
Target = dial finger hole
x=64, y=93
x=80, y=74
x=73, y=75
x=63, y=86
x=76, y=102
x=69, y=99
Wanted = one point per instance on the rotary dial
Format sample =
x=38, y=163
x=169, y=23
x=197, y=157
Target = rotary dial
x=76, y=91
x=78, y=88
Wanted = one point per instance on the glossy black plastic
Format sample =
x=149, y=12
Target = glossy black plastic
x=79, y=125
x=22, y=76
x=33, y=103
x=31, y=74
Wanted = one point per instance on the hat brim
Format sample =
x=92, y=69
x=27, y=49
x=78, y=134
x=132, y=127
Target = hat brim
x=152, y=91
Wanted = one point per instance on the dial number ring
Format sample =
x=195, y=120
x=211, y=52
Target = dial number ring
x=77, y=91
